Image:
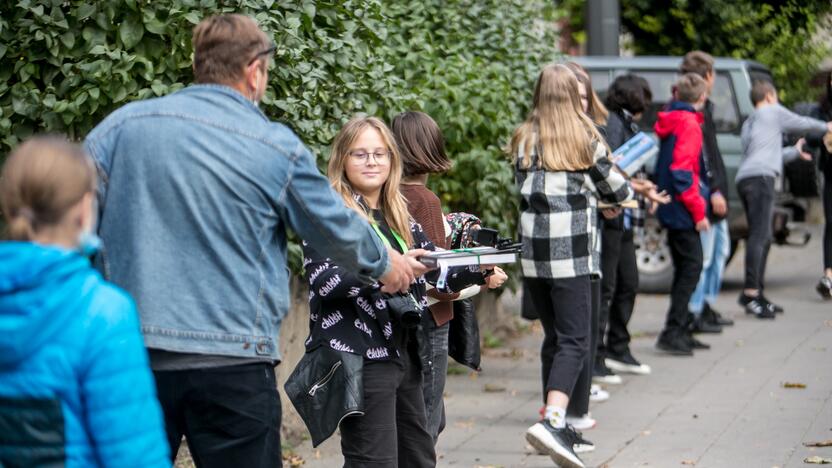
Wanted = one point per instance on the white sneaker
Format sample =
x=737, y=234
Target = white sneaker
x=598, y=394
x=628, y=365
x=581, y=423
x=611, y=379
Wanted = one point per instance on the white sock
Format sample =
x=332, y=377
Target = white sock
x=556, y=416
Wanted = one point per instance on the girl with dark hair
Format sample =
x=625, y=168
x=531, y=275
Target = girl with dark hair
x=628, y=97
x=422, y=148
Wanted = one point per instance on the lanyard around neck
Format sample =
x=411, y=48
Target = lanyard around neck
x=386, y=242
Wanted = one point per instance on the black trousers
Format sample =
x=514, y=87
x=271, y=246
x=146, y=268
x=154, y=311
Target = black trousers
x=827, y=215
x=230, y=415
x=579, y=402
x=757, y=194
x=686, y=251
x=393, y=430
x=564, y=306
x=619, y=285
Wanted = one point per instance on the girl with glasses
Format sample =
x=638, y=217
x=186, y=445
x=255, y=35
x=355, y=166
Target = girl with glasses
x=351, y=316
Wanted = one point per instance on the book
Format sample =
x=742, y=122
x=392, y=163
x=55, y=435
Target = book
x=466, y=257
x=634, y=153
x=624, y=204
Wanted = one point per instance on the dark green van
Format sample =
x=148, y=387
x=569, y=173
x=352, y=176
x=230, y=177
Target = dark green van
x=732, y=104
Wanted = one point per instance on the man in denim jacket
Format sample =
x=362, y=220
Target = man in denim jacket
x=197, y=190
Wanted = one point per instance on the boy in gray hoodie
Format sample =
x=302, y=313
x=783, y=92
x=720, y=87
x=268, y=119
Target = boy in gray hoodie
x=763, y=155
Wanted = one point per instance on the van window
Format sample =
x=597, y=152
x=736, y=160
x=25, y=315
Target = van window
x=726, y=112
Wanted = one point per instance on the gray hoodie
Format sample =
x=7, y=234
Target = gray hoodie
x=763, y=153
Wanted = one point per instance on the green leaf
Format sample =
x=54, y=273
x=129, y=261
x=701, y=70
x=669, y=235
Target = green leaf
x=68, y=39
x=156, y=27
x=192, y=17
x=158, y=88
x=98, y=50
x=131, y=31
x=3, y=49
x=309, y=9
x=85, y=10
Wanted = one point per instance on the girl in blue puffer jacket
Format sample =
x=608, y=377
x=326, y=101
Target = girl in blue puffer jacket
x=75, y=387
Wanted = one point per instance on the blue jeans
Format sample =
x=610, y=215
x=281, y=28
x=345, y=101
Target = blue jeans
x=716, y=246
x=433, y=385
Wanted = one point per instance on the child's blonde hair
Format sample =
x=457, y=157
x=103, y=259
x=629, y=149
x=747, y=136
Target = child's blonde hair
x=557, y=128
x=41, y=180
x=391, y=201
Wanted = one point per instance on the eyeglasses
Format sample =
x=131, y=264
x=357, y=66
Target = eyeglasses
x=268, y=51
x=363, y=156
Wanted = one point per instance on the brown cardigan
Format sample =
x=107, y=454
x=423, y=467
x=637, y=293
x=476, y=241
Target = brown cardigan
x=425, y=208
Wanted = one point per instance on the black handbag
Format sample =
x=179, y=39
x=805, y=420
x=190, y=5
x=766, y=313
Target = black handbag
x=464, y=335
x=326, y=387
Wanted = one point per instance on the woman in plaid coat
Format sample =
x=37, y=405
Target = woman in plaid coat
x=562, y=170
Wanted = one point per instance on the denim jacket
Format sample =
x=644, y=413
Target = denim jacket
x=196, y=191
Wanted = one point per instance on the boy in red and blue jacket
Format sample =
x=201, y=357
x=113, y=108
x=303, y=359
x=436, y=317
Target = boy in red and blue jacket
x=681, y=172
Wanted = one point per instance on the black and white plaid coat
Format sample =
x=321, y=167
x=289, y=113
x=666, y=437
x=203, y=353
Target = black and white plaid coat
x=558, y=216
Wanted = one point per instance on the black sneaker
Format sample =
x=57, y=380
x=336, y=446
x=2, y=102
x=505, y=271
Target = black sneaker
x=626, y=363
x=603, y=375
x=758, y=308
x=579, y=444
x=712, y=316
x=824, y=287
x=772, y=306
x=700, y=325
x=694, y=343
x=557, y=443
x=675, y=344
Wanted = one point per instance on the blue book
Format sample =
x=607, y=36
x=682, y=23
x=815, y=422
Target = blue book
x=634, y=153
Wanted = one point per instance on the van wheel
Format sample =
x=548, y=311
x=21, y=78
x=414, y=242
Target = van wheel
x=655, y=265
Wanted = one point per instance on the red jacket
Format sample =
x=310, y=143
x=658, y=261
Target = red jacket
x=679, y=168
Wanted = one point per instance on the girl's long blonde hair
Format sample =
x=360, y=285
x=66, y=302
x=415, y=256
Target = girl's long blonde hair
x=595, y=108
x=557, y=129
x=391, y=201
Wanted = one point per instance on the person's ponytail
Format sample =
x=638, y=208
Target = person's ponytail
x=20, y=228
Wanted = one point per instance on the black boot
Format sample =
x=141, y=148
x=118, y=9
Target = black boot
x=701, y=325
x=674, y=342
x=714, y=317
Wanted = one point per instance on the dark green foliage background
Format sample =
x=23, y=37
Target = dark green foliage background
x=470, y=64
x=777, y=33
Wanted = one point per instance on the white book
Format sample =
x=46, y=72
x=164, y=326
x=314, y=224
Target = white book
x=634, y=153
x=467, y=257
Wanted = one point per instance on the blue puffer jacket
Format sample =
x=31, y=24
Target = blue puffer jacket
x=75, y=386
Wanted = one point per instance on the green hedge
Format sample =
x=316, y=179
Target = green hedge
x=65, y=64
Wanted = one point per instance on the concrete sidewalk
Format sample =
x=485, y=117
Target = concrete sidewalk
x=726, y=407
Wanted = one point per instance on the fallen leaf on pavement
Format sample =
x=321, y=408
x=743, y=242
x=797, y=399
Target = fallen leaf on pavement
x=794, y=385
x=822, y=443
x=688, y=462
x=493, y=388
x=818, y=460
x=293, y=460
x=465, y=424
